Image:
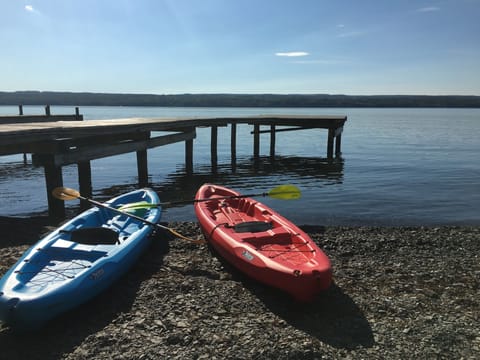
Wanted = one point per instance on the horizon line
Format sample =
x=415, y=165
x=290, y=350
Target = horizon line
x=228, y=93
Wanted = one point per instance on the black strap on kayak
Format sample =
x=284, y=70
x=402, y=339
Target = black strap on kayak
x=94, y=236
x=252, y=226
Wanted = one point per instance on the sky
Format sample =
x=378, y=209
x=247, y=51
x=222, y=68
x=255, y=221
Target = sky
x=352, y=47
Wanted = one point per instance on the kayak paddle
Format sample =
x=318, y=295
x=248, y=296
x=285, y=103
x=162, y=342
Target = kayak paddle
x=283, y=192
x=64, y=193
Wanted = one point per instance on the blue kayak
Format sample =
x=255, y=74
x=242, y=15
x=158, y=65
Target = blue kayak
x=76, y=262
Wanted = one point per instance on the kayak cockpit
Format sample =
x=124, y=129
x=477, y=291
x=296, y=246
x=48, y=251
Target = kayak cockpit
x=252, y=226
x=93, y=236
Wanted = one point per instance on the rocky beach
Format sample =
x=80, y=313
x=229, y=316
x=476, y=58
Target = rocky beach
x=398, y=293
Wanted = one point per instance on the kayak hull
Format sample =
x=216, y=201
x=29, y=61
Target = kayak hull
x=261, y=243
x=75, y=262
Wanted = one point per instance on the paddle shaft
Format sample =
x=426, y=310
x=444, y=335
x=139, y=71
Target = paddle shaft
x=278, y=192
x=285, y=192
x=209, y=199
x=96, y=203
x=63, y=193
x=201, y=200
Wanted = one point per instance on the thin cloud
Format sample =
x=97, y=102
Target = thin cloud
x=292, y=53
x=428, y=9
x=29, y=8
x=351, y=34
x=321, y=62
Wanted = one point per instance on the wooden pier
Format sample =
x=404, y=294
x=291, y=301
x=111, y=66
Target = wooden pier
x=22, y=118
x=54, y=144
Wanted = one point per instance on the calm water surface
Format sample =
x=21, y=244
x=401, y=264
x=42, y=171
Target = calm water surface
x=398, y=167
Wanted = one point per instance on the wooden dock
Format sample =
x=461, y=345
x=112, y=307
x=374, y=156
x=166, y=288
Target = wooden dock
x=48, y=117
x=54, y=144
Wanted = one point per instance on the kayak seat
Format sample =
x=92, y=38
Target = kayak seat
x=94, y=236
x=252, y=226
x=278, y=235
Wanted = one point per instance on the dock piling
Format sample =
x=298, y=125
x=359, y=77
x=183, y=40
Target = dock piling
x=213, y=147
x=256, y=141
x=142, y=168
x=189, y=156
x=233, y=146
x=272, y=142
x=142, y=161
x=84, y=181
x=330, y=141
x=53, y=179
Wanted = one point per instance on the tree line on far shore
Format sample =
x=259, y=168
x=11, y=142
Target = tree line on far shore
x=235, y=100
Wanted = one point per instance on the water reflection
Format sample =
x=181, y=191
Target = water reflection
x=14, y=171
x=249, y=175
x=304, y=172
x=254, y=175
x=300, y=167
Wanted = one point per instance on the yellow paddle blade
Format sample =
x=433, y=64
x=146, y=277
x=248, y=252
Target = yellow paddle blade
x=137, y=206
x=285, y=192
x=64, y=193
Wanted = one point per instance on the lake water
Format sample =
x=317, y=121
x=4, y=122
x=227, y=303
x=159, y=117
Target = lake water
x=398, y=167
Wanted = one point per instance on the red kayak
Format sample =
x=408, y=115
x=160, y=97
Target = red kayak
x=261, y=243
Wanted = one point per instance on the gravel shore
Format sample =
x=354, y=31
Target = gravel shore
x=398, y=293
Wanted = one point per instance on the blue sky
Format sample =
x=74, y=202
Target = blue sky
x=355, y=47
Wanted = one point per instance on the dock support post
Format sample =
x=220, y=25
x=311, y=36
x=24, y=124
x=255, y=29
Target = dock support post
x=47, y=110
x=213, y=147
x=331, y=138
x=142, y=162
x=272, y=142
x=256, y=141
x=233, y=145
x=77, y=113
x=338, y=145
x=85, y=181
x=20, y=112
x=142, y=167
x=54, y=178
x=189, y=156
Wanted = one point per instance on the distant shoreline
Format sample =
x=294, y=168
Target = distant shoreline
x=238, y=100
